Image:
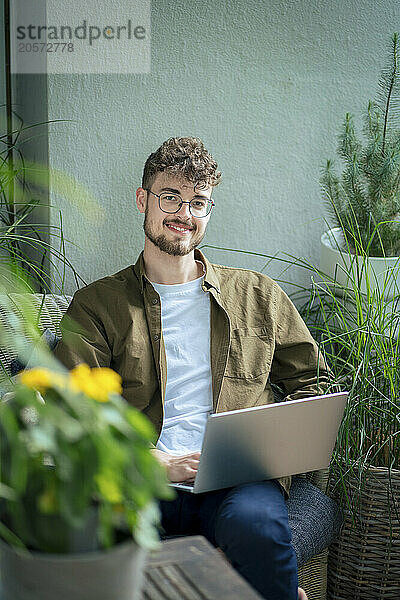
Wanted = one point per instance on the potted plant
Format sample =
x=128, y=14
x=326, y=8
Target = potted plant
x=358, y=335
x=354, y=311
x=364, y=202
x=78, y=486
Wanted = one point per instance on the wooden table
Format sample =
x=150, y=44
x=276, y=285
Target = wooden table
x=190, y=568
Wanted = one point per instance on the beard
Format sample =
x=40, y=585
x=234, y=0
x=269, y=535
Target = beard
x=172, y=247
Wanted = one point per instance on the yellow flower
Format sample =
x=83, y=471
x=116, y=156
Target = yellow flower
x=97, y=383
x=80, y=380
x=36, y=379
x=41, y=379
x=108, y=380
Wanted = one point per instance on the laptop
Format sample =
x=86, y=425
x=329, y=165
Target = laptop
x=266, y=442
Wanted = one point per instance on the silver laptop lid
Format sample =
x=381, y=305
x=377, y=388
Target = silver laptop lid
x=270, y=441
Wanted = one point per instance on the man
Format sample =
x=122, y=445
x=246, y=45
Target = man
x=190, y=338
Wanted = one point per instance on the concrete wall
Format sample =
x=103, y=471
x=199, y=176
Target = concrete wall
x=264, y=84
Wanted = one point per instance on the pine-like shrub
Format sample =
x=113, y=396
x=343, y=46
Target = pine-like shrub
x=365, y=200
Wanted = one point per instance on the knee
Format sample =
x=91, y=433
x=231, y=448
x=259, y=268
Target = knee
x=252, y=524
x=248, y=530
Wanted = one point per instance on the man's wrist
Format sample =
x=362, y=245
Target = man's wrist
x=161, y=456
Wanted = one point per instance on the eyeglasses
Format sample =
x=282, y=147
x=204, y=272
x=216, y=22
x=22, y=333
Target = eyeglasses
x=171, y=203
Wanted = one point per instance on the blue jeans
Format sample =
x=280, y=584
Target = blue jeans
x=250, y=524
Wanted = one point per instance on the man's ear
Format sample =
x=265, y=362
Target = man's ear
x=141, y=199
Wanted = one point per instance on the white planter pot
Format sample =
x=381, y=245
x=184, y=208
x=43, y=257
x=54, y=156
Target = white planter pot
x=380, y=274
x=117, y=573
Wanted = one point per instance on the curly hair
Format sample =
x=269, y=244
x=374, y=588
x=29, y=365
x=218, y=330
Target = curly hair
x=184, y=157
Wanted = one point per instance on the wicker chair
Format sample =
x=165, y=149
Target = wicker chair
x=311, y=548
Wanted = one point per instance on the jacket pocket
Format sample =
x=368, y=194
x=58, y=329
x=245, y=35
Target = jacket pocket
x=249, y=353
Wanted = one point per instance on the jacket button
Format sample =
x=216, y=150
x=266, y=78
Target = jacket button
x=156, y=337
x=154, y=301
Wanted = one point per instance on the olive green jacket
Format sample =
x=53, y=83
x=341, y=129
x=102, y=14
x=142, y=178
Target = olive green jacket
x=257, y=338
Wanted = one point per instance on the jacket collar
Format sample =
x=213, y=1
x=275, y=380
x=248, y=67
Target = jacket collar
x=210, y=277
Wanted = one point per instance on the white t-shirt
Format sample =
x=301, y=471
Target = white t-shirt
x=185, y=319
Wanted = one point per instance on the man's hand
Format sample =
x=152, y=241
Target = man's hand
x=179, y=468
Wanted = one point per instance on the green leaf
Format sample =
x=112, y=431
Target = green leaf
x=141, y=424
x=7, y=492
x=10, y=537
